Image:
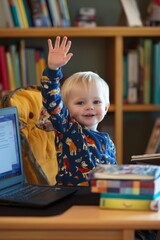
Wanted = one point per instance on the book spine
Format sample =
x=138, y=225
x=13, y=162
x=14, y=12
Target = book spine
x=129, y=204
x=154, y=140
x=147, y=70
x=156, y=74
x=14, y=13
x=16, y=65
x=58, y=13
x=125, y=172
x=22, y=57
x=32, y=66
x=40, y=64
x=132, y=76
x=38, y=18
x=45, y=13
x=23, y=13
x=51, y=14
x=10, y=71
x=131, y=196
x=66, y=10
x=37, y=58
x=54, y=13
x=133, y=187
x=132, y=12
x=64, y=13
x=4, y=70
x=6, y=13
x=3, y=23
x=18, y=13
x=28, y=13
x=141, y=70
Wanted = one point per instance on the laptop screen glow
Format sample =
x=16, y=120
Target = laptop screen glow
x=10, y=151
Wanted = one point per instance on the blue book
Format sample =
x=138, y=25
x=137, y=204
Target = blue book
x=46, y=17
x=38, y=18
x=64, y=12
x=51, y=13
x=156, y=73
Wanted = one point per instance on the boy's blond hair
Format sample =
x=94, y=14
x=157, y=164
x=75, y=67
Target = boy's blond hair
x=84, y=80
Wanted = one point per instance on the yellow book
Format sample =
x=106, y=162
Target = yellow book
x=12, y=82
x=23, y=13
x=38, y=74
x=23, y=63
x=129, y=204
x=42, y=65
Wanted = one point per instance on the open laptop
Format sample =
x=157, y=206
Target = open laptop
x=13, y=189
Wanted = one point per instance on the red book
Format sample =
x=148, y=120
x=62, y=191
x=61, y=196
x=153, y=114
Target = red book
x=4, y=70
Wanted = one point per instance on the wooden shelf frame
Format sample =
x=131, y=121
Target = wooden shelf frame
x=115, y=36
x=80, y=32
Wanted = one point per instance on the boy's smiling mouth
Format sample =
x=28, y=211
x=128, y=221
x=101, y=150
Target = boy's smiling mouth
x=89, y=115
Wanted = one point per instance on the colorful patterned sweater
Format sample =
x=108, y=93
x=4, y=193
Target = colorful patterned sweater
x=78, y=149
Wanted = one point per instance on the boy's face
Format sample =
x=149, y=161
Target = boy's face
x=88, y=107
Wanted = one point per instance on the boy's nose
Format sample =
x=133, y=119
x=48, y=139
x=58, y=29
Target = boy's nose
x=89, y=107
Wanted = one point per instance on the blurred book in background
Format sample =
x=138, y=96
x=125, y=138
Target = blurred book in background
x=154, y=141
x=130, y=14
x=86, y=17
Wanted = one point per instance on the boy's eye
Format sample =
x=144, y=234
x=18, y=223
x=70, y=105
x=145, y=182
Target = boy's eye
x=80, y=103
x=97, y=102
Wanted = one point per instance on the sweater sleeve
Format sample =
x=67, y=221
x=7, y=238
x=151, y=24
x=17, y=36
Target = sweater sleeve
x=111, y=151
x=52, y=99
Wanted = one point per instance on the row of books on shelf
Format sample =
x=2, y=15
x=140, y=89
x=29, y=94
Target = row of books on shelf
x=128, y=187
x=20, y=66
x=142, y=73
x=34, y=13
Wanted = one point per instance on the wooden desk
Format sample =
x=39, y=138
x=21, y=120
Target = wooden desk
x=80, y=222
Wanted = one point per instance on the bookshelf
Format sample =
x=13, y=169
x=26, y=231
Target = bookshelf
x=101, y=49
x=114, y=38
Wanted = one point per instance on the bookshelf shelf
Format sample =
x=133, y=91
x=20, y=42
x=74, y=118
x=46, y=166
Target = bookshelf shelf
x=81, y=32
x=141, y=108
x=114, y=37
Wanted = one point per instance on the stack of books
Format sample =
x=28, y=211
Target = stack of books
x=132, y=186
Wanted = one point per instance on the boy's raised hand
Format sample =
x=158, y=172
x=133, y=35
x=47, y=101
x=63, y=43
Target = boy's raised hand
x=58, y=55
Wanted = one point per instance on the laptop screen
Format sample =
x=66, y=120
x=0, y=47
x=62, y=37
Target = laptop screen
x=10, y=150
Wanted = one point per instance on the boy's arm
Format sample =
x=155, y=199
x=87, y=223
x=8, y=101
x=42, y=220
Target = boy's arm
x=52, y=101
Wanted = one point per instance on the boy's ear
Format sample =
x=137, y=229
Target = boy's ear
x=106, y=108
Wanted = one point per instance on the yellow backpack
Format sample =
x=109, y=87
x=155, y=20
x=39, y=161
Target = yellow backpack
x=38, y=148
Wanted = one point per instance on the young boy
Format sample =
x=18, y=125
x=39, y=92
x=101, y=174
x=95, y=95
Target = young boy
x=75, y=113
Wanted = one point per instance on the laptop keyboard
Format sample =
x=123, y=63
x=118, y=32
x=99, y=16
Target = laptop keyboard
x=28, y=191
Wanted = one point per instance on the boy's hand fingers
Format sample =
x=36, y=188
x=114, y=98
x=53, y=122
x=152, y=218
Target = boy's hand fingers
x=68, y=57
x=50, y=46
x=57, y=42
x=63, y=44
x=68, y=46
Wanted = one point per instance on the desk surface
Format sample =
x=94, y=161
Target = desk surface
x=80, y=221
